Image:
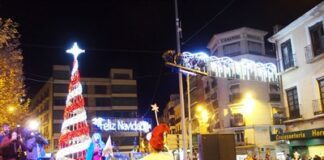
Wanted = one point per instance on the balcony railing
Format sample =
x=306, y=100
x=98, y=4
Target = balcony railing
x=237, y=120
x=291, y=64
x=317, y=107
x=279, y=119
x=274, y=97
x=309, y=53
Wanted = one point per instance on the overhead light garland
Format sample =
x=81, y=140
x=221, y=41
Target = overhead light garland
x=223, y=67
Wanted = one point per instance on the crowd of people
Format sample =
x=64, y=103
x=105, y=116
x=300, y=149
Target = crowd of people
x=158, y=151
x=21, y=144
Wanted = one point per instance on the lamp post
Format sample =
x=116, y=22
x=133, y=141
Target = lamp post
x=189, y=116
x=183, y=124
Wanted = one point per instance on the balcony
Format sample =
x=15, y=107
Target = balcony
x=279, y=119
x=317, y=107
x=235, y=97
x=237, y=120
x=274, y=97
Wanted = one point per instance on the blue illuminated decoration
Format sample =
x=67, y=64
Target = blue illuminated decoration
x=122, y=124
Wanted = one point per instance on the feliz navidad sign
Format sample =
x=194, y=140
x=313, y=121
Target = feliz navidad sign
x=113, y=124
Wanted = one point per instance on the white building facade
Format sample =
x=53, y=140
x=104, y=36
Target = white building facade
x=300, y=55
x=249, y=109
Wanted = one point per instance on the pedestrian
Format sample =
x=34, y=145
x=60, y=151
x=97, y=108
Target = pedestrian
x=35, y=143
x=94, y=152
x=10, y=146
x=3, y=134
x=156, y=144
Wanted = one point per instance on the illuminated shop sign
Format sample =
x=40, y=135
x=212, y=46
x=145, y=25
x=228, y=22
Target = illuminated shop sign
x=111, y=124
x=304, y=134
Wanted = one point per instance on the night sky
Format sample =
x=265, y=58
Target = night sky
x=132, y=34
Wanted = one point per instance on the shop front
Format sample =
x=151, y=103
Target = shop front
x=305, y=142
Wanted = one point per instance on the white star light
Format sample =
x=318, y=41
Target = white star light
x=155, y=108
x=75, y=50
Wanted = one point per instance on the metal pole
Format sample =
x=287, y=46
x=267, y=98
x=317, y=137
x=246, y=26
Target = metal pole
x=189, y=117
x=183, y=123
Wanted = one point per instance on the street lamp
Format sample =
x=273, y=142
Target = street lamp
x=33, y=124
x=248, y=103
x=202, y=115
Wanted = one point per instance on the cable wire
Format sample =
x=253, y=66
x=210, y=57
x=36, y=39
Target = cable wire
x=210, y=21
x=94, y=49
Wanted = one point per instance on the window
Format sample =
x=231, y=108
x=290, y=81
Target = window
x=84, y=89
x=56, y=128
x=58, y=114
x=232, y=38
x=232, y=49
x=103, y=102
x=59, y=101
x=321, y=88
x=253, y=37
x=131, y=101
x=100, y=89
x=104, y=114
x=214, y=83
x=235, y=88
x=317, y=37
x=239, y=136
x=237, y=120
x=274, y=88
x=254, y=47
x=293, y=104
x=235, y=94
x=61, y=75
x=207, y=89
x=121, y=76
x=124, y=89
x=60, y=88
x=287, y=55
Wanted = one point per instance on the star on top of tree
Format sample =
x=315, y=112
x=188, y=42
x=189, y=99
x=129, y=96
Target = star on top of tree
x=75, y=50
x=155, y=108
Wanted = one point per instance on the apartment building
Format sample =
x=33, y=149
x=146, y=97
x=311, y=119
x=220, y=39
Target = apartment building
x=114, y=96
x=300, y=56
x=250, y=109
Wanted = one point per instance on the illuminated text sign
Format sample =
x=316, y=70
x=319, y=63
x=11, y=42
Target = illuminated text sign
x=122, y=124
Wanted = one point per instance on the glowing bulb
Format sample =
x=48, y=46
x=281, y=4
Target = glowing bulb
x=75, y=50
x=204, y=116
x=33, y=125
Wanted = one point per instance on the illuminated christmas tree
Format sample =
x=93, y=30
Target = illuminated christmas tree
x=74, y=139
x=12, y=88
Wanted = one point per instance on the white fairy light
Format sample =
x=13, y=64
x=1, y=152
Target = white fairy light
x=75, y=50
x=228, y=68
x=74, y=149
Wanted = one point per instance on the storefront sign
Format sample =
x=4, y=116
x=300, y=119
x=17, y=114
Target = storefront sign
x=312, y=133
x=122, y=124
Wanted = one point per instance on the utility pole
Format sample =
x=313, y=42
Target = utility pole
x=189, y=116
x=183, y=121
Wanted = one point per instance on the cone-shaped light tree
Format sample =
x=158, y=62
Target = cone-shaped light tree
x=74, y=139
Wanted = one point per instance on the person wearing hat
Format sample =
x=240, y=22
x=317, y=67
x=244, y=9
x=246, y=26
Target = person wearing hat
x=157, y=144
